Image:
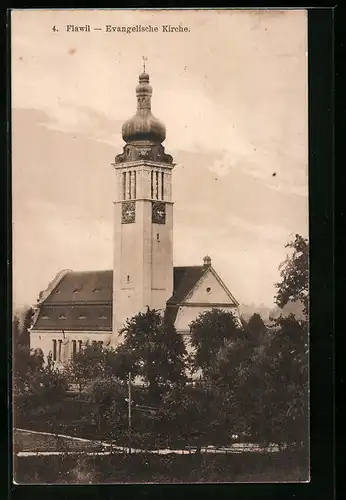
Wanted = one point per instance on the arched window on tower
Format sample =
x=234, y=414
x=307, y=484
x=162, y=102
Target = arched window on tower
x=157, y=185
x=124, y=185
x=130, y=179
x=152, y=184
x=134, y=185
x=162, y=185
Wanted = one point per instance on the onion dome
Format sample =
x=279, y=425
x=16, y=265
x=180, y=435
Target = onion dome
x=143, y=126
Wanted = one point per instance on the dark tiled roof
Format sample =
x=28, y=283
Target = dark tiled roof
x=83, y=287
x=171, y=313
x=83, y=300
x=75, y=317
x=184, y=280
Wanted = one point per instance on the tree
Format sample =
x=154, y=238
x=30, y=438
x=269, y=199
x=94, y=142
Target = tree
x=27, y=364
x=209, y=332
x=287, y=391
x=154, y=351
x=110, y=410
x=118, y=362
x=294, y=284
x=53, y=382
x=16, y=330
x=184, y=417
x=236, y=375
x=218, y=406
x=86, y=365
x=27, y=322
x=283, y=402
x=37, y=387
x=255, y=329
x=21, y=324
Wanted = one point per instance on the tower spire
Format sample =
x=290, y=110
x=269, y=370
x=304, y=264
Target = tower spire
x=144, y=63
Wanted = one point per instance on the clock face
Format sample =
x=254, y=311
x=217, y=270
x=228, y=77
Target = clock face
x=158, y=213
x=128, y=212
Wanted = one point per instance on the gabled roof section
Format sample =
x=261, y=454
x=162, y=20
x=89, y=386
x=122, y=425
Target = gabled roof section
x=87, y=287
x=51, y=286
x=233, y=299
x=61, y=305
x=90, y=287
x=185, y=278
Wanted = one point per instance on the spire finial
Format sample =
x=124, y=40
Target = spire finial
x=144, y=61
x=206, y=261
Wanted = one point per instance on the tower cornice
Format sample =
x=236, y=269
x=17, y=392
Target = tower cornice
x=167, y=202
x=143, y=163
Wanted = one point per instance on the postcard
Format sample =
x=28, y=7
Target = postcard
x=160, y=246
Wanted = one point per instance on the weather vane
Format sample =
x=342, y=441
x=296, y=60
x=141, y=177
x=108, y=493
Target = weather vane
x=144, y=61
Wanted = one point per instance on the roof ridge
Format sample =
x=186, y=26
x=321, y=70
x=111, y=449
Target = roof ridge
x=184, y=267
x=91, y=271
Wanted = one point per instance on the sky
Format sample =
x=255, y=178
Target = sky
x=232, y=92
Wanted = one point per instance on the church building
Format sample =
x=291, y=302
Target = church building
x=78, y=307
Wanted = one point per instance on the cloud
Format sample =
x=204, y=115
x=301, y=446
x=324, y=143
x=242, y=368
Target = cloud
x=248, y=262
x=261, y=232
x=71, y=118
x=48, y=237
x=276, y=170
x=233, y=98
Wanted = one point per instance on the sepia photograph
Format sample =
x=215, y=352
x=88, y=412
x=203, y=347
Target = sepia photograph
x=160, y=246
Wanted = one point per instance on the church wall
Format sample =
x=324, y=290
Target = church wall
x=162, y=260
x=187, y=314
x=209, y=290
x=40, y=339
x=128, y=269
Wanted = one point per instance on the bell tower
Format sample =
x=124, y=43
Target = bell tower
x=143, y=215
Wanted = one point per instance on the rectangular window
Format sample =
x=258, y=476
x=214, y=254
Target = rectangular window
x=59, y=351
x=80, y=343
x=152, y=184
x=157, y=237
x=124, y=185
x=162, y=185
x=134, y=185
x=54, y=350
x=130, y=178
x=74, y=346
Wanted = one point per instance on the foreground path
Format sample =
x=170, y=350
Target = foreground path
x=45, y=442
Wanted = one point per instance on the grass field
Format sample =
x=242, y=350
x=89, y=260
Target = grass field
x=88, y=467
x=37, y=442
x=146, y=468
x=40, y=442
